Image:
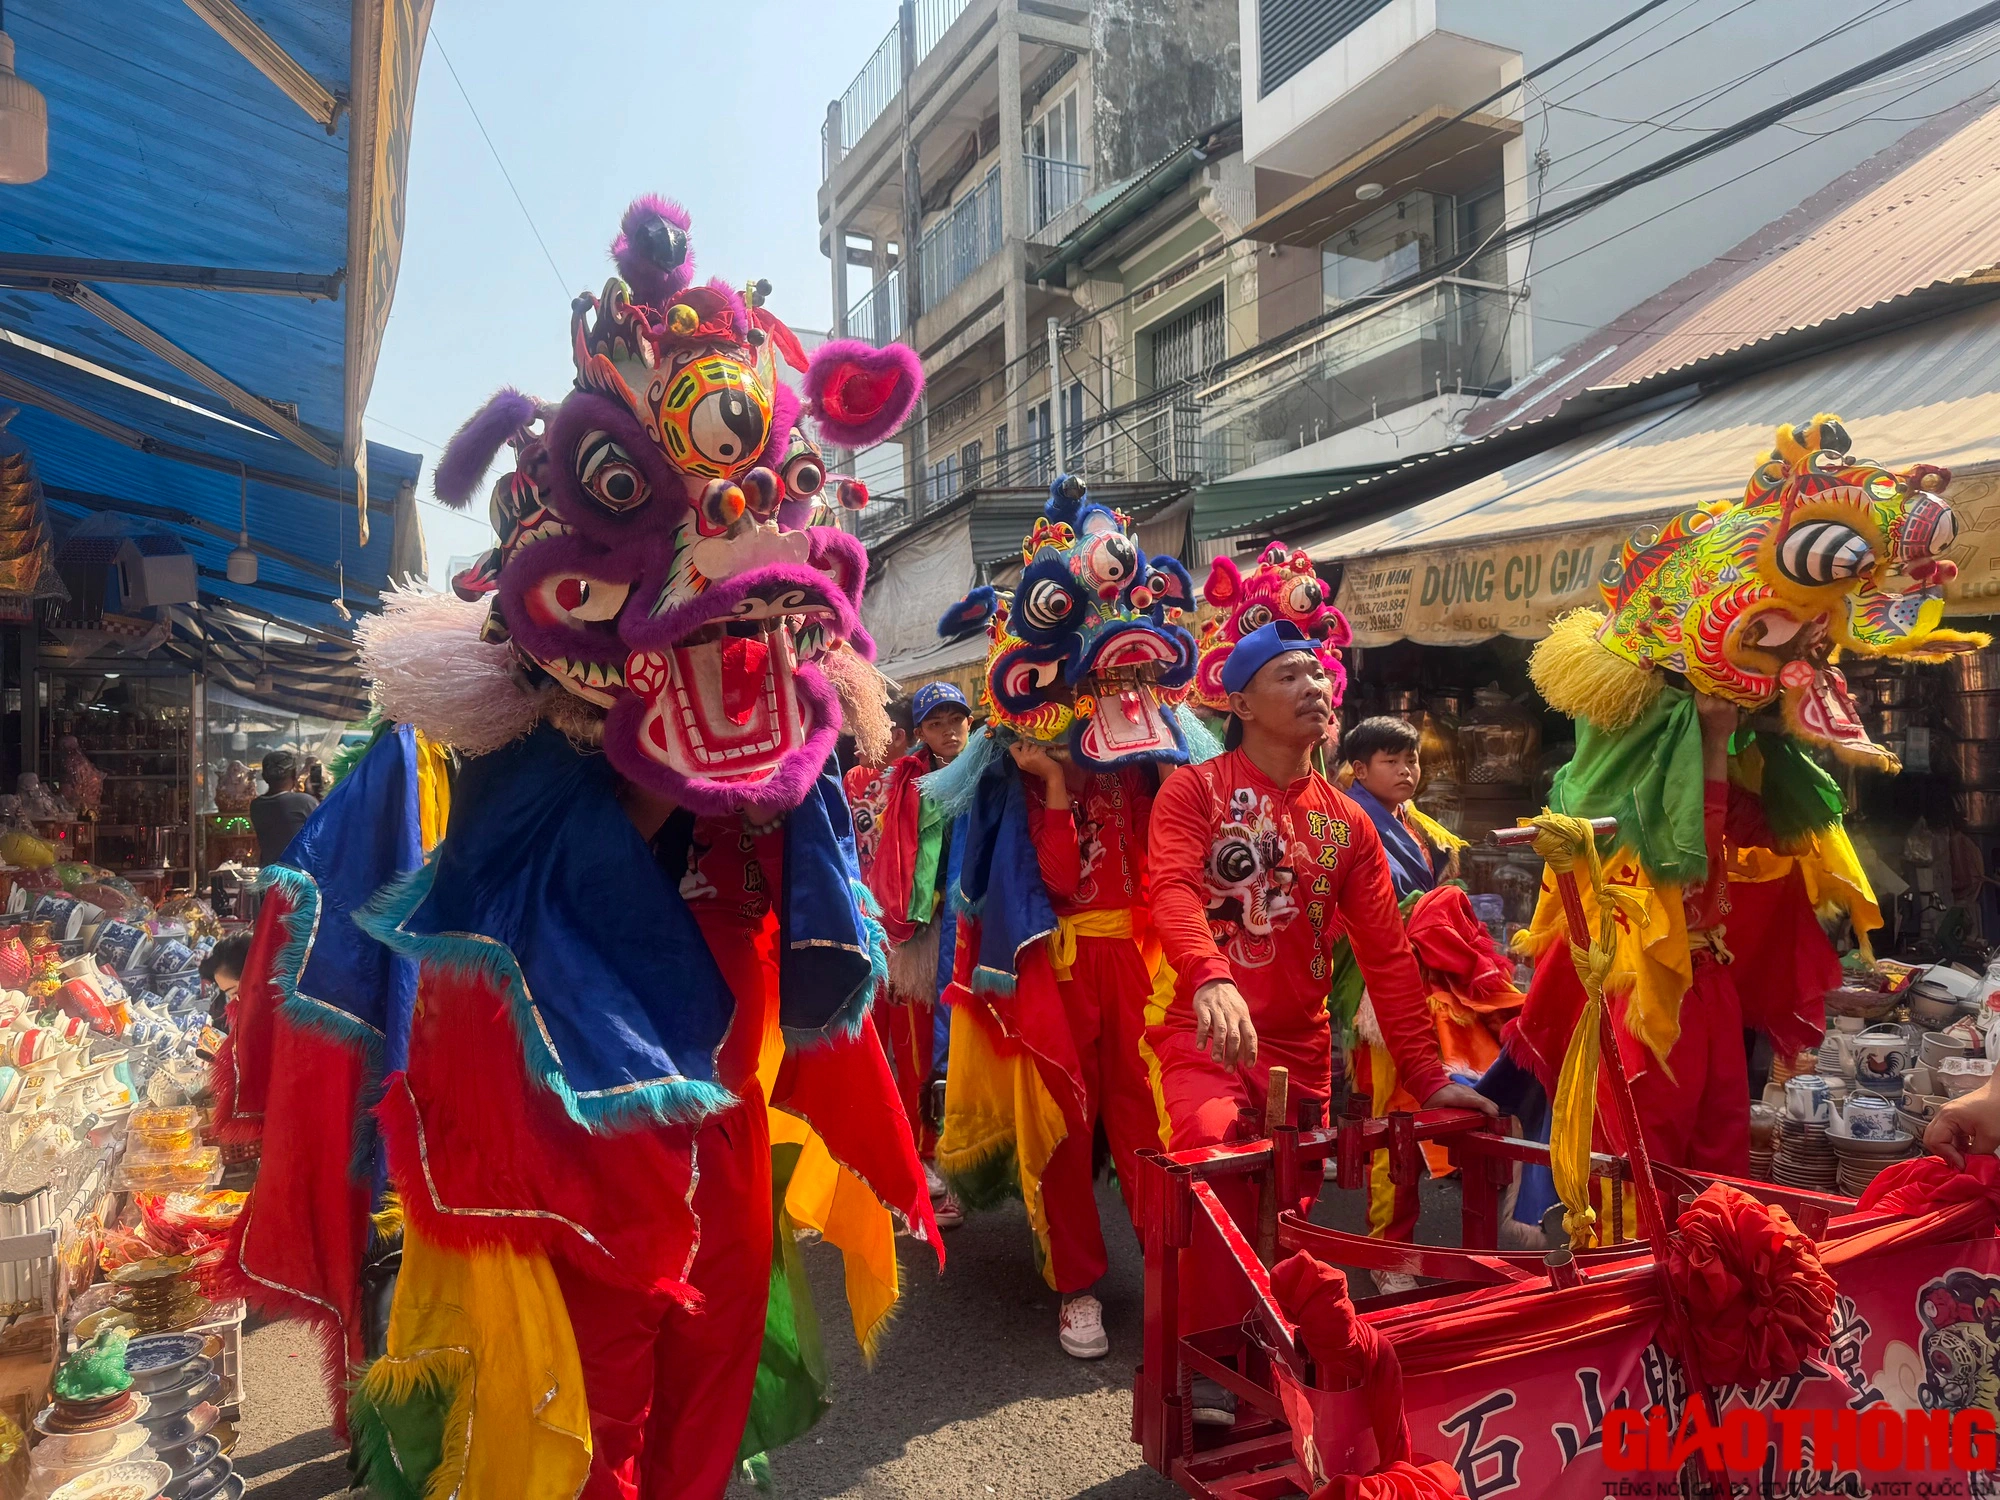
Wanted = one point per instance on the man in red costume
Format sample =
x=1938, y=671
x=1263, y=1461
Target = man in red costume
x=1260, y=865
x=1089, y=831
x=910, y=876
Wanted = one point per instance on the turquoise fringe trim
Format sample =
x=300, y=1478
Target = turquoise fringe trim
x=668, y=1101
x=1201, y=744
x=952, y=788
x=846, y=1022
x=997, y=982
x=301, y=928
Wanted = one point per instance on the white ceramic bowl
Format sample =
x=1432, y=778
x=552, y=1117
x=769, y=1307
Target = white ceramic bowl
x=1961, y=1075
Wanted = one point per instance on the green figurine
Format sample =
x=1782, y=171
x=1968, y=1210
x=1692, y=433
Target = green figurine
x=97, y=1369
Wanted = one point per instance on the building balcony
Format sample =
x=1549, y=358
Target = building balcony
x=1056, y=190
x=875, y=87
x=876, y=316
x=961, y=242
x=1324, y=78
x=1442, y=344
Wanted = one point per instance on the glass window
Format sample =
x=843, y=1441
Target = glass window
x=1188, y=344
x=1410, y=235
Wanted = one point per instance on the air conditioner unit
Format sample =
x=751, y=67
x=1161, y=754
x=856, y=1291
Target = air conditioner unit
x=155, y=570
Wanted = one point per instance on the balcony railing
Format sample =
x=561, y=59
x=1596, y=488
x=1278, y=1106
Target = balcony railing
x=877, y=315
x=962, y=242
x=1159, y=442
x=1448, y=336
x=875, y=87
x=1053, y=186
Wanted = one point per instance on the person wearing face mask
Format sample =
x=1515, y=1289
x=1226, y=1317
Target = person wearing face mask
x=911, y=876
x=1260, y=865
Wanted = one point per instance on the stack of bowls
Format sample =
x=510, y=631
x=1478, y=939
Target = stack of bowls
x=1803, y=1158
x=1862, y=1159
x=78, y=1438
x=178, y=1371
x=127, y=1481
x=1764, y=1123
x=180, y=1380
x=160, y=1294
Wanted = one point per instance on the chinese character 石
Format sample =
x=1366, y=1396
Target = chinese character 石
x=1484, y=1468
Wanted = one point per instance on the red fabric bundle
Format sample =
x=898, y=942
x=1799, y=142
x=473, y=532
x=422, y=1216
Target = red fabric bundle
x=1347, y=1350
x=1450, y=942
x=1924, y=1184
x=1759, y=1301
x=1397, y=1481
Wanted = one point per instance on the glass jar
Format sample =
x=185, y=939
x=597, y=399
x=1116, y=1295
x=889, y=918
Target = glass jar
x=1500, y=741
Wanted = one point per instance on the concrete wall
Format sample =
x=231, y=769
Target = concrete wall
x=1165, y=71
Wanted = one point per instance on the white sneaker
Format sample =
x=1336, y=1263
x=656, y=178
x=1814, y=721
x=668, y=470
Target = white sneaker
x=1388, y=1283
x=1214, y=1403
x=1082, y=1328
x=948, y=1211
x=934, y=1182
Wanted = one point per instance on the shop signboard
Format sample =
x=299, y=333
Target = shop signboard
x=1975, y=504
x=1459, y=596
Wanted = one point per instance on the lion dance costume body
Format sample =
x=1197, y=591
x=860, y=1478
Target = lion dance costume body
x=1054, y=962
x=612, y=1046
x=1754, y=601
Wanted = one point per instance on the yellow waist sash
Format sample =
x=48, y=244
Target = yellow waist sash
x=1110, y=923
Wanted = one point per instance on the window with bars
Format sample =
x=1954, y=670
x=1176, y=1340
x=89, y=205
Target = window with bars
x=1189, y=343
x=1291, y=33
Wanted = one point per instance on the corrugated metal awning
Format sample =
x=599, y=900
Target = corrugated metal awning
x=1439, y=572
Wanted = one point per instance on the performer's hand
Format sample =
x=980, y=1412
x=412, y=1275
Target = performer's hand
x=1033, y=757
x=1458, y=1096
x=1971, y=1123
x=1222, y=1020
x=1719, y=717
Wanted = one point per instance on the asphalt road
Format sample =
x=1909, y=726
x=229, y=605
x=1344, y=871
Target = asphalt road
x=971, y=1398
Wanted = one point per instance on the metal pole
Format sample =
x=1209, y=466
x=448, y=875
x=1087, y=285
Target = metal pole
x=1058, y=445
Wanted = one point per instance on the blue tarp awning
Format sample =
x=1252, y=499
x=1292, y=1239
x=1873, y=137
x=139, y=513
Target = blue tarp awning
x=170, y=154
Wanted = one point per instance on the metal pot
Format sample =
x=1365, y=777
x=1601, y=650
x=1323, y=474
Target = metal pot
x=1978, y=810
x=1973, y=762
x=1977, y=671
x=1974, y=716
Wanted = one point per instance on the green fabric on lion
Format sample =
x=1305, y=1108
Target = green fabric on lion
x=1800, y=796
x=397, y=1448
x=1648, y=776
x=790, y=1393
x=933, y=822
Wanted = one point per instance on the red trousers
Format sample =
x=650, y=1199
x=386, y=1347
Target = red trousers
x=1208, y=1105
x=1699, y=1117
x=909, y=1036
x=669, y=1388
x=1104, y=1001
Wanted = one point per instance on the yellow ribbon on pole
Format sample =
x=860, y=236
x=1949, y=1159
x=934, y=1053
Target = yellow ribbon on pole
x=1568, y=846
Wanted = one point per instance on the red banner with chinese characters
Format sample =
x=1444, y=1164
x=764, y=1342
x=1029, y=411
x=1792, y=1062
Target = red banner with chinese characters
x=1917, y=1330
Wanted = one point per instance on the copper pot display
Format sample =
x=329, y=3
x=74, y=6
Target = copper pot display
x=1499, y=741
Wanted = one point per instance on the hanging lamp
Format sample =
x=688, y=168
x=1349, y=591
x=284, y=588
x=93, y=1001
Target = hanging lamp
x=242, y=565
x=24, y=120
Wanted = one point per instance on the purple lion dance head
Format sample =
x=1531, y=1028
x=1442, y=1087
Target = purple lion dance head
x=656, y=556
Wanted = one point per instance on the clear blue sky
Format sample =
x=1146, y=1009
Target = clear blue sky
x=590, y=104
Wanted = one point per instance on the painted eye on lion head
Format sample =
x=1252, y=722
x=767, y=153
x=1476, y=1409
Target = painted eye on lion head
x=804, y=476
x=575, y=599
x=1048, y=605
x=1256, y=616
x=608, y=473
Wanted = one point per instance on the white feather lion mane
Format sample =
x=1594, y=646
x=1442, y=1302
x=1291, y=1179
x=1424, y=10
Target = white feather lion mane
x=429, y=668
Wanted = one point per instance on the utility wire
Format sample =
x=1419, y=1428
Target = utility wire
x=519, y=202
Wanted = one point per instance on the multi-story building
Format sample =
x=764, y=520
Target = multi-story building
x=1404, y=151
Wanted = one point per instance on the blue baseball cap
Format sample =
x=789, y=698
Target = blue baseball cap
x=933, y=696
x=1257, y=649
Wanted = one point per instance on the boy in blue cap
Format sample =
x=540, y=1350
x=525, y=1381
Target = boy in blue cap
x=911, y=876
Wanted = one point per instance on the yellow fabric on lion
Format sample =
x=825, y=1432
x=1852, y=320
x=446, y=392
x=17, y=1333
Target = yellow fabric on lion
x=433, y=790
x=1651, y=962
x=995, y=1100
x=824, y=1196
x=1440, y=836
x=490, y=1327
